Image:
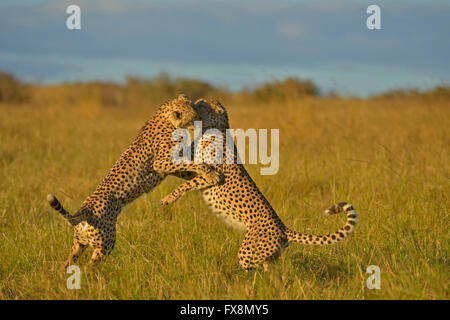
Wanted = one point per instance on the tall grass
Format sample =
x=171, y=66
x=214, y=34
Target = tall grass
x=389, y=157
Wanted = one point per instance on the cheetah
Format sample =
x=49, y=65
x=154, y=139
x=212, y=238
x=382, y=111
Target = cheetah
x=140, y=168
x=240, y=203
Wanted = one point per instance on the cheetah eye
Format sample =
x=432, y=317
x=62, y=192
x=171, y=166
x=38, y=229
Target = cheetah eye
x=176, y=114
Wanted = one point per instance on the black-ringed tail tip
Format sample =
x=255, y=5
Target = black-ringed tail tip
x=55, y=204
x=338, y=208
x=331, y=238
x=347, y=208
x=51, y=198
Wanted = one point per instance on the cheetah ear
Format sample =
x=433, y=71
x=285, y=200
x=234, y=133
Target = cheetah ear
x=217, y=106
x=182, y=96
x=214, y=104
x=201, y=100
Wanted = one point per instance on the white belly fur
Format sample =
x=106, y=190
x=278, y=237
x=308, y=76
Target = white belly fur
x=230, y=221
x=226, y=218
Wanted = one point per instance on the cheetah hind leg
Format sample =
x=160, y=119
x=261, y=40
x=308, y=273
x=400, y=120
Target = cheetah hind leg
x=101, y=252
x=97, y=256
x=256, y=253
x=248, y=256
x=76, y=251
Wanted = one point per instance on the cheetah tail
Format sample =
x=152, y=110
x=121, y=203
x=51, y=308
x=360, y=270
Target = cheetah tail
x=332, y=238
x=55, y=204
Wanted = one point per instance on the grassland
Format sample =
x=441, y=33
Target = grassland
x=390, y=157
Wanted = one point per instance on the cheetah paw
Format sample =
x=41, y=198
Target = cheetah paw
x=214, y=178
x=168, y=200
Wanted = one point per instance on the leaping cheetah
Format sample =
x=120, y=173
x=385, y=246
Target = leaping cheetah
x=141, y=167
x=239, y=201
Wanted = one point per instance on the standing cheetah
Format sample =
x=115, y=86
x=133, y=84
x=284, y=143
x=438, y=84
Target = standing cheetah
x=239, y=202
x=145, y=163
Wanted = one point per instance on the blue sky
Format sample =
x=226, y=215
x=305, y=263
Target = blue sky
x=233, y=43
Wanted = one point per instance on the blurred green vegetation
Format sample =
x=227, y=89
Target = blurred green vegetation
x=11, y=89
x=282, y=90
x=148, y=92
x=438, y=92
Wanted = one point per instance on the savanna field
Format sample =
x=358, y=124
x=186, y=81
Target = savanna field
x=389, y=156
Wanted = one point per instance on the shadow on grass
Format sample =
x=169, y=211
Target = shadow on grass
x=320, y=267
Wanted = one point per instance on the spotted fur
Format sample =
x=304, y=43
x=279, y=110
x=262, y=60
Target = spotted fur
x=240, y=203
x=141, y=167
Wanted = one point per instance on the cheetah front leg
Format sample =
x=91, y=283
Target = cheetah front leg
x=164, y=166
x=205, y=177
x=197, y=183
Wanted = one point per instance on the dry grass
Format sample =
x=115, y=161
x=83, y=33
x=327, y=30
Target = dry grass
x=389, y=157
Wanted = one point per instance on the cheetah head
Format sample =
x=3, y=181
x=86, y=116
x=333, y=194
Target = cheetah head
x=180, y=112
x=212, y=114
